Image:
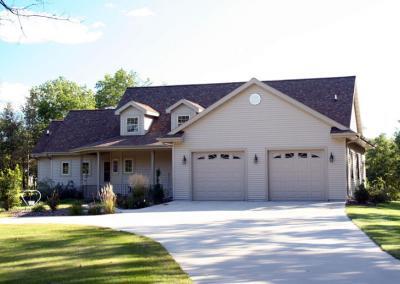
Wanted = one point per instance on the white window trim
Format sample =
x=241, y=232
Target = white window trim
x=112, y=166
x=127, y=124
x=89, y=168
x=62, y=168
x=179, y=115
x=125, y=166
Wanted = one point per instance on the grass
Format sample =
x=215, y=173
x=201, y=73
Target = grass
x=381, y=223
x=82, y=254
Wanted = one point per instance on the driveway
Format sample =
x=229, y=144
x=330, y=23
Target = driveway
x=255, y=242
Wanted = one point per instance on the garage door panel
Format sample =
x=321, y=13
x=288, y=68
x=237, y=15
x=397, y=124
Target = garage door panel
x=296, y=175
x=218, y=176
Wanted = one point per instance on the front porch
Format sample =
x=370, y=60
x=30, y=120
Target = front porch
x=116, y=166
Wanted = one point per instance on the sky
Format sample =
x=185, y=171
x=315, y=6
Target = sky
x=187, y=41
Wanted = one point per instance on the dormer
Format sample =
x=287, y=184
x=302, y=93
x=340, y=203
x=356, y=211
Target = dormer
x=182, y=111
x=135, y=118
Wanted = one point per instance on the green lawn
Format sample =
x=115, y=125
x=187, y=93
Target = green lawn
x=81, y=254
x=381, y=223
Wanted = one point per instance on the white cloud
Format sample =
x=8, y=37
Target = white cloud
x=109, y=5
x=14, y=93
x=97, y=25
x=41, y=30
x=141, y=12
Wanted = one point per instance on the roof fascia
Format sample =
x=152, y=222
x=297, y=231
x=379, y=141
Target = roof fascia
x=137, y=106
x=196, y=108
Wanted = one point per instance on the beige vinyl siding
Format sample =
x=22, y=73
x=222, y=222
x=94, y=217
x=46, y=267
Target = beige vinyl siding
x=74, y=170
x=128, y=113
x=180, y=110
x=44, y=169
x=273, y=124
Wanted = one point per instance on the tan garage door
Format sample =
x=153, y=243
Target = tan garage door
x=297, y=175
x=218, y=176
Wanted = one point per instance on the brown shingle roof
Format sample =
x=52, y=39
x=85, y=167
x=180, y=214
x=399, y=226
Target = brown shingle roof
x=96, y=127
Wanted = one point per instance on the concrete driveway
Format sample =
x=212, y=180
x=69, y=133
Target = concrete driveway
x=255, y=242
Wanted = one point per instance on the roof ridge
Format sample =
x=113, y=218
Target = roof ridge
x=96, y=109
x=242, y=82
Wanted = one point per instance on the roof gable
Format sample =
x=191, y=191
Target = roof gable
x=269, y=89
x=146, y=109
x=196, y=107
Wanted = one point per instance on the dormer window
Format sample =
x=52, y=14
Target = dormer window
x=132, y=124
x=182, y=119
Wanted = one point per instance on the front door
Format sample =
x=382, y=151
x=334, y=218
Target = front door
x=106, y=171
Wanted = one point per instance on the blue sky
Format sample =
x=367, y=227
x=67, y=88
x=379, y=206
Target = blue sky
x=173, y=42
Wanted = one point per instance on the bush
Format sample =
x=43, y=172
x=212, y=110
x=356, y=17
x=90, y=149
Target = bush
x=157, y=194
x=68, y=191
x=95, y=209
x=76, y=208
x=108, y=199
x=53, y=200
x=139, y=184
x=38, y=207
x=10, y=187
x=378, y=192
x=46, y=187
x=361, y=194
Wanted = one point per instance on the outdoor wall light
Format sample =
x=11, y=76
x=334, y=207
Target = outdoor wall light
x=184, y=160
x=331, y=158
x=255, y=159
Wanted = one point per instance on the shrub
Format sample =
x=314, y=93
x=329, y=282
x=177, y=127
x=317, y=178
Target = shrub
x=107, y=198
x=76, y=208
x=95, y=209
x=378, y=192
x=38, y=207
x=157, y=194
x=53, y=200
x=139, y=184
x=10, y=187
x=46, y=187
x=361, y=194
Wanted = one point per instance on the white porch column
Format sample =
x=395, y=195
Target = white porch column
x=98, y=171
x=152, y=165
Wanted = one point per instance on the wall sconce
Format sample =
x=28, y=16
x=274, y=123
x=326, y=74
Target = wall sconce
x=331, y=158
x=255, y=159
x=184, y=160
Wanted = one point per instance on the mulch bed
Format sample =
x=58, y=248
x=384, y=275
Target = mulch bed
x=28, y=213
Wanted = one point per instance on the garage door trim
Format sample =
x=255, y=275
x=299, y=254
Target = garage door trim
x=245, y=161
x=297, y=149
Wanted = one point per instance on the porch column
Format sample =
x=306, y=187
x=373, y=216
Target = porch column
x=98, y=171
x=152, y=165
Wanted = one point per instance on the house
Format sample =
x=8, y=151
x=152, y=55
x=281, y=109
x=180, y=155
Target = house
x=256, y=140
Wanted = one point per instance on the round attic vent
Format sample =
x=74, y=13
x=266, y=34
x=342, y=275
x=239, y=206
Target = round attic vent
x=255, y=99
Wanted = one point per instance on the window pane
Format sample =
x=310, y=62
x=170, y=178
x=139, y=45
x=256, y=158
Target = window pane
x=225, y=156
x=236, y=157
x=314, y=156
x=212, y=156
x=128, y=166
x=132, y=124
x=85, y=168
x=277, y=157
x=289, y=155
x=115, y=166
x=65, y=168
x=302, y=155
x=182, y=119
x=200, y=158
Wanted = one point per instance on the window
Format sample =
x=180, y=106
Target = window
x=115, y=166
x=212, y=156
x=277, y=156
x=201, y=158
x=236, y=157
x=128, y=166
x=225, y=156
x=289, y=155
x=303, y=155
x=314, y=156
x=85, y=168
x=182, y=119
x=132, y=124
x=65, y=168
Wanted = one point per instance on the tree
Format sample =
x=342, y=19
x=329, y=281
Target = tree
x=52, y=100
x=110, y=90
x=11, y=139
x=383, y=164
x=10, y=187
